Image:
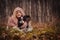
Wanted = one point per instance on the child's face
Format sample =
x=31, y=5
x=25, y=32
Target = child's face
x=18, y=13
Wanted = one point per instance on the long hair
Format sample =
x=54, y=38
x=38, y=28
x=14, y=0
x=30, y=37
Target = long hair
x=16, y=9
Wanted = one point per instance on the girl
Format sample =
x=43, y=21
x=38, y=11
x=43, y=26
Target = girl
x=13, y=20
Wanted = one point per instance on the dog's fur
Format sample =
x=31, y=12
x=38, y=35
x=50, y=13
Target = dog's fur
x=26, y=18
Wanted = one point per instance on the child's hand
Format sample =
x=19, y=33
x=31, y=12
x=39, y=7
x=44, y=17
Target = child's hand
x=24, y=25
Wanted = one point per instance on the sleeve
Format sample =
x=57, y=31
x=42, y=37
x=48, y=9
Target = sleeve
x=11, y=22
x=30, y=28
x=29, y=24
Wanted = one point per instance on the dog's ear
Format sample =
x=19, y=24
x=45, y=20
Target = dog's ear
x=26, y=18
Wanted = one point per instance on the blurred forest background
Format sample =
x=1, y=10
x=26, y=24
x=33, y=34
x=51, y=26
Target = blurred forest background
x=41, y=11
x=45, y=15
